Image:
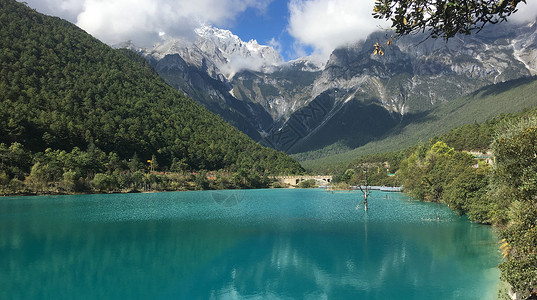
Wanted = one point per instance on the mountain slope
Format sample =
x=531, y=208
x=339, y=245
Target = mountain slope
x=412, y=77
x=275, y=100
x=486, y=103
x=60, y=88
x=201, y=69
x=213, y=94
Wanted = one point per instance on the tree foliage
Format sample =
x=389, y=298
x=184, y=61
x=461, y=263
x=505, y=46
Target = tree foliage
x=444, y=18
x=63, y=90
x=307, y=184
x=439, y=173
x=504, y=195
x=380, y=166
x=471, y=136
x=515, y=195
x=79, y=171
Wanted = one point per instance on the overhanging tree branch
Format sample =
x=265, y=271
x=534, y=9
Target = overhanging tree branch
x=443, y=18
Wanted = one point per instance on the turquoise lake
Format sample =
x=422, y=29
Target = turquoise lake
x=255, y=244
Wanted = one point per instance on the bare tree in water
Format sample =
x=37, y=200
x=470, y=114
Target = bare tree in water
x=365, y=188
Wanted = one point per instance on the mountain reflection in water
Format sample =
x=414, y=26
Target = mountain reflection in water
x=280, y=244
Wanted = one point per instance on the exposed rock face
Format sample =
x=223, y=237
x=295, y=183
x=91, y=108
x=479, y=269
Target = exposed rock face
x=214, y=94
x=287, y=88
x=218, y=52
x=201, y=69
x=413, y=76
x=299, y=106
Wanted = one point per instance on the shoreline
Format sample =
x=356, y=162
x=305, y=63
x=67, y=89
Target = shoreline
x=133, y=191
x=30, y=194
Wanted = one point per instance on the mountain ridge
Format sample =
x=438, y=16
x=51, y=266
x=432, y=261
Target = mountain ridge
x=413, y=76
x=503, y=98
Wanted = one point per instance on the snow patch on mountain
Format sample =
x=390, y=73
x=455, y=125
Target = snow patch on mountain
x=238, y=55
x=308, y=64
x=218, y=51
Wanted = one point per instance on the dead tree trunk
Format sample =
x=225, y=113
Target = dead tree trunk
x=366, y=189
x=365, y=193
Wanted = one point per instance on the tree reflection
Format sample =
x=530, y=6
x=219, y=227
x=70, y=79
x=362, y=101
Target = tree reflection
x=293, y=248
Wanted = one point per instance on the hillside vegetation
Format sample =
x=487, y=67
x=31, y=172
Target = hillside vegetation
x=63, y=90
x=484, y=104
x=502, y=193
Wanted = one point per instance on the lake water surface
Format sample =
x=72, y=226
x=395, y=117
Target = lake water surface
x=257, y=244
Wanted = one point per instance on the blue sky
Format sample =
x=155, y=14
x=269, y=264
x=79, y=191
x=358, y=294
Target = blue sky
x=267, y=27
x=294, y=27
x=262, y=25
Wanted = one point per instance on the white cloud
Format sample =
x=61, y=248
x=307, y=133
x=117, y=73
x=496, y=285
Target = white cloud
x=236, y=63
x=67, y=9
x=115, y=21
x=526, y=12
x=326, y=24
x=275, y=44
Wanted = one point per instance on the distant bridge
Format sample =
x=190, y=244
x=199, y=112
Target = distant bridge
x=294, y=180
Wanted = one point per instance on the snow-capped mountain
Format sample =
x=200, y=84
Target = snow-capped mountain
x=359, y=96
x=219, y=52
x=355, y=95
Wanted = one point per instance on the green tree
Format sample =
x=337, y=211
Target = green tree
x=114, y=163
x=222, y=182
x=62, y=89
x=350, y=176
x=200, y=180
x=411, y=173
x=39, y=178
x=103, y=182
x=137, y=179
x=425, y=175
x=442, y=174
x=307, y=184
x=466, y=193
x=135, y=164
x=154, y=162
x=443, y=18
x=240, y=178
x=178, y=165
x=515, y=198
x=4, y=180
x=15, y=160
x=69, y=182
x=520, y=268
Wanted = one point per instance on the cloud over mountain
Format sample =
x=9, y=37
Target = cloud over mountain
x=315, y=25
x=114, y=21
x=526, y=12
x=327, y=24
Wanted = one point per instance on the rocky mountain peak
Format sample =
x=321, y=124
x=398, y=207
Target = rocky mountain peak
x=219, y=51
x=304, y=101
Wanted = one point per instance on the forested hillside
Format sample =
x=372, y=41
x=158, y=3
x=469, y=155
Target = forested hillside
x=503, y=194
x=494, y=184
x=62, y=89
